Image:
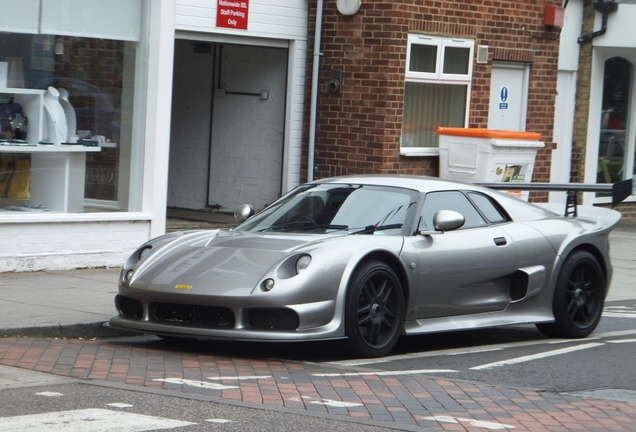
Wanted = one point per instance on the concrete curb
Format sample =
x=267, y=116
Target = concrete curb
x=96, y=330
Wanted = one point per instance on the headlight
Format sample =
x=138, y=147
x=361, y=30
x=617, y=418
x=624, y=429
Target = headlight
x=302, y=263
x=128, y=276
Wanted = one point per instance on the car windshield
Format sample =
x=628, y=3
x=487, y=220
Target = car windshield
x=321, y=208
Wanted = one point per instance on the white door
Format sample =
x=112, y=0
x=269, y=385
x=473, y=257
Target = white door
x=508, y=96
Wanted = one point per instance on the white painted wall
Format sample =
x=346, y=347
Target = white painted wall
x=55, y=243
x=569, y=49
x=276, y=19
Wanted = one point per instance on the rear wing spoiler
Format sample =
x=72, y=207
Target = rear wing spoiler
x=619, y=190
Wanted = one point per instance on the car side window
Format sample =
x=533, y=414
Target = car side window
x=451, y=200
x=488, y=208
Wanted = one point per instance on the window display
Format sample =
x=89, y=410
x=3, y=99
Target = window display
x=71, y=82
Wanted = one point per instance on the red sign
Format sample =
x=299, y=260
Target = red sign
x=232, y=14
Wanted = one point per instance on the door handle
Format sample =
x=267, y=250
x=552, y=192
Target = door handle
x=500, y=241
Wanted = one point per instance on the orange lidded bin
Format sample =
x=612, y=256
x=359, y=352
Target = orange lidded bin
x=487, y=155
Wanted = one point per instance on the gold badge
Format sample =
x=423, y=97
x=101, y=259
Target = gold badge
x=183, y=287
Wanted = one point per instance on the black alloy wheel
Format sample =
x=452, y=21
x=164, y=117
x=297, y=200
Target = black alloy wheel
x=374, y=312
x=579, y=297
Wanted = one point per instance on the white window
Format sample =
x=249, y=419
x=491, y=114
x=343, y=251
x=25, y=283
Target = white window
x=436, y=90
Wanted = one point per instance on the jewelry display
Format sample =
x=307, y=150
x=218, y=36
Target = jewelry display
x=55, y=117
x=69, y=113
x=13, y=121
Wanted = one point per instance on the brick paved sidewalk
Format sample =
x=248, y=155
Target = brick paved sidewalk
x=410, y=400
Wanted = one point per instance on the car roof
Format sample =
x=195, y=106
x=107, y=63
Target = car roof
x=420, y=183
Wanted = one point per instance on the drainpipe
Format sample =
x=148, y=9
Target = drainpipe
x=605, y=8
x=314, y=93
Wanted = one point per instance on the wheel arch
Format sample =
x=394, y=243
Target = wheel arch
x=596, y=253
x=397, y=267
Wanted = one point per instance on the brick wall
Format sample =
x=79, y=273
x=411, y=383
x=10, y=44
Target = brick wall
x=358, y=129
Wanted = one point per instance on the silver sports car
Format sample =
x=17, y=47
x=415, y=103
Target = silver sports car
x=371, y=258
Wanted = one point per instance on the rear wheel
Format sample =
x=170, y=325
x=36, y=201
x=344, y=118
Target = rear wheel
x=374, y=311
x=579, y=297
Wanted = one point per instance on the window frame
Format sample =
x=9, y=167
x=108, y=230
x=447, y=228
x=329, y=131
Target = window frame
x=438, y=76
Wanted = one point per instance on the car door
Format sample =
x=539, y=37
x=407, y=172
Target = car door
x=465, y=271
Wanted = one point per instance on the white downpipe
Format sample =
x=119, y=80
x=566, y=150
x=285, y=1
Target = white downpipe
x=314, y=93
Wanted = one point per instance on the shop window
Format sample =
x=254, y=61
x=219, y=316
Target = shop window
x=71, y=77
x=436, y=90
x=612, y=143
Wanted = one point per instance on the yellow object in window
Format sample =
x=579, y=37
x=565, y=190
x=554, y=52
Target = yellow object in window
x=15, y=176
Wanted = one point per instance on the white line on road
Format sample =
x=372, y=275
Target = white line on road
x=619, y=314
x=418, y=355
x=220, y=421
x=622, y=341
x=119, y=405
x=49, y=394
x=95, y=420
x=202, y=384
x=384, y=373
x=239, y=378
x=537, y=356
x=470, y=350
x=327, y=402
x=471, y=422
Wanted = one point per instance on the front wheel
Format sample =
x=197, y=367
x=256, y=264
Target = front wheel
x=579, y=297
x=374, y=310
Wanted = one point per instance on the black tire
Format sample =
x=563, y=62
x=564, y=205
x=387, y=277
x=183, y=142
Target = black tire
x=579, y=297
x=374, y=310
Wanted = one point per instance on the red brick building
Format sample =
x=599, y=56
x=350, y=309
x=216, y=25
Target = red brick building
x=389, y=46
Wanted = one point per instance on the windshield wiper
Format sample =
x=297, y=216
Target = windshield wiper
x=373, y=228
x=303, y=225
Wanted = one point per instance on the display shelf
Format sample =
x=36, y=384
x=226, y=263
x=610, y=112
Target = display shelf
x=32, y=101
x=57, y=175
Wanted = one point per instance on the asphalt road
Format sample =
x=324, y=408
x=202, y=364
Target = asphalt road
x=523, y=357
x=75, y=407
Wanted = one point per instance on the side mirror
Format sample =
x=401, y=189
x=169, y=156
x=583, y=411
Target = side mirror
x=244, y=212
x=445, y=220
x=448, y=220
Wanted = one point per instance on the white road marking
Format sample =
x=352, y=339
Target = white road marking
x=337, y=404
x=95, y=420
x=218, y=421
x=49, y=394
x=613, y=334
x=240, y=377
x=328, y=402
x=202, y=384
x=622, y=341
x=471, y=422
x=475, y=350
x=119, y=405
x=384, y=373
x=418, y=355
x=619, y=314
x=536, y=356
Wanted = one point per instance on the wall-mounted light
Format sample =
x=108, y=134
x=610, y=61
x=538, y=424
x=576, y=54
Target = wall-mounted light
x=335, y=81
x=348, y=7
